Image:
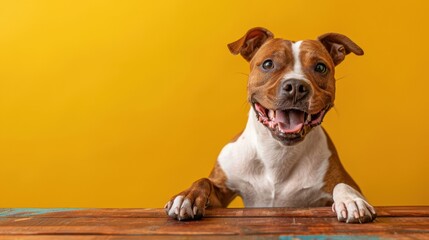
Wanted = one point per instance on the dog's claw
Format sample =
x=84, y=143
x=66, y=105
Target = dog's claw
x=195, y=210
x=167, y=206
x=344, y=214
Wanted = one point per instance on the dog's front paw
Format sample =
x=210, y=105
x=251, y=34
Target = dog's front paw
x=350, y=206
x=187, y=205
x=354, y=211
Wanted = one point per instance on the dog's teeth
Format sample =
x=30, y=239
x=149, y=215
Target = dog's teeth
x=271, y=114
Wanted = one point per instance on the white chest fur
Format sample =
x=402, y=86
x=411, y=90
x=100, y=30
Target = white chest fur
x=266, y=173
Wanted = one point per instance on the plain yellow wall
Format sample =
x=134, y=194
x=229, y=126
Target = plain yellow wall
x=125, y=103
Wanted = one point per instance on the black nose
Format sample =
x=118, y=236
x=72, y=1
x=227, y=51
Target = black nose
x=295, y=89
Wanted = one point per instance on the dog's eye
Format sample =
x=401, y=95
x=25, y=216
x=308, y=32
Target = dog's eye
x=321, y=68
x=268, y=64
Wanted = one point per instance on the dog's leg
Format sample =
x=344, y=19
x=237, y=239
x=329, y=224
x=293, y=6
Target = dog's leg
x=206, y=192
x=351, y=206
x=349, y=203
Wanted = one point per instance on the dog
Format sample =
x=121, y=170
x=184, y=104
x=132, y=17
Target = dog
x=283, y=158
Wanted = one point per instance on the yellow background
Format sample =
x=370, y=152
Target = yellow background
x=125, y=103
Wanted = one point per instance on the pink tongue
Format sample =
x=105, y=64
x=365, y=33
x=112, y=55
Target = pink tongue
x=290, y=121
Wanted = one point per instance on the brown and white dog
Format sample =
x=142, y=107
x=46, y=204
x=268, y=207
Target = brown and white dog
x=283, y=158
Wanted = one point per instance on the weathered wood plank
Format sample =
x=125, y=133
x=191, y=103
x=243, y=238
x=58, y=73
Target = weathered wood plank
x=259, y=237
x=210, y=226
x=130, y=237
x=256, y=237
x=406, y=236
x=403, y=222
x=323, y=212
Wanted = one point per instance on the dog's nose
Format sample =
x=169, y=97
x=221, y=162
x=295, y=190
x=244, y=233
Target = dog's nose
x=295, y=89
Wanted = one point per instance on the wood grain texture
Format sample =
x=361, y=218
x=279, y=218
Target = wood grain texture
x=263, y=223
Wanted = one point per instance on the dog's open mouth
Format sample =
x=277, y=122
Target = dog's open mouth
x=288, y=123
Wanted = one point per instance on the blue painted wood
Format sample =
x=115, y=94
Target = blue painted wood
x=28, y=212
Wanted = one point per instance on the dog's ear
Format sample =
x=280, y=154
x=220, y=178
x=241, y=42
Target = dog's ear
x=339, y=46
x=250, y=42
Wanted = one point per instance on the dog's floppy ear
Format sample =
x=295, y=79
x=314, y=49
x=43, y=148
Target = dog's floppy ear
x=250, y=42
x=339, y=46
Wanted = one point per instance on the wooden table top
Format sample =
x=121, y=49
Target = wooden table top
x=250, y=223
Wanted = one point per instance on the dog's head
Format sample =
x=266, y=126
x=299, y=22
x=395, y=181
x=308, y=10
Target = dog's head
x=291, y=84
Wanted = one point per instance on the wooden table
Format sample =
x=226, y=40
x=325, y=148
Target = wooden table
x=266, y=223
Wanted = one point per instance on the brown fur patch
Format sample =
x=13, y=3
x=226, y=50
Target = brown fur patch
x=264, y=85
x=323, y=85
x=220, y=195
x=336, y=172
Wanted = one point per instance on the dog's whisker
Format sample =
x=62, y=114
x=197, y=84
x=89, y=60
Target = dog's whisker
x=340, y=78
x=336, y=110
x=241, y=73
